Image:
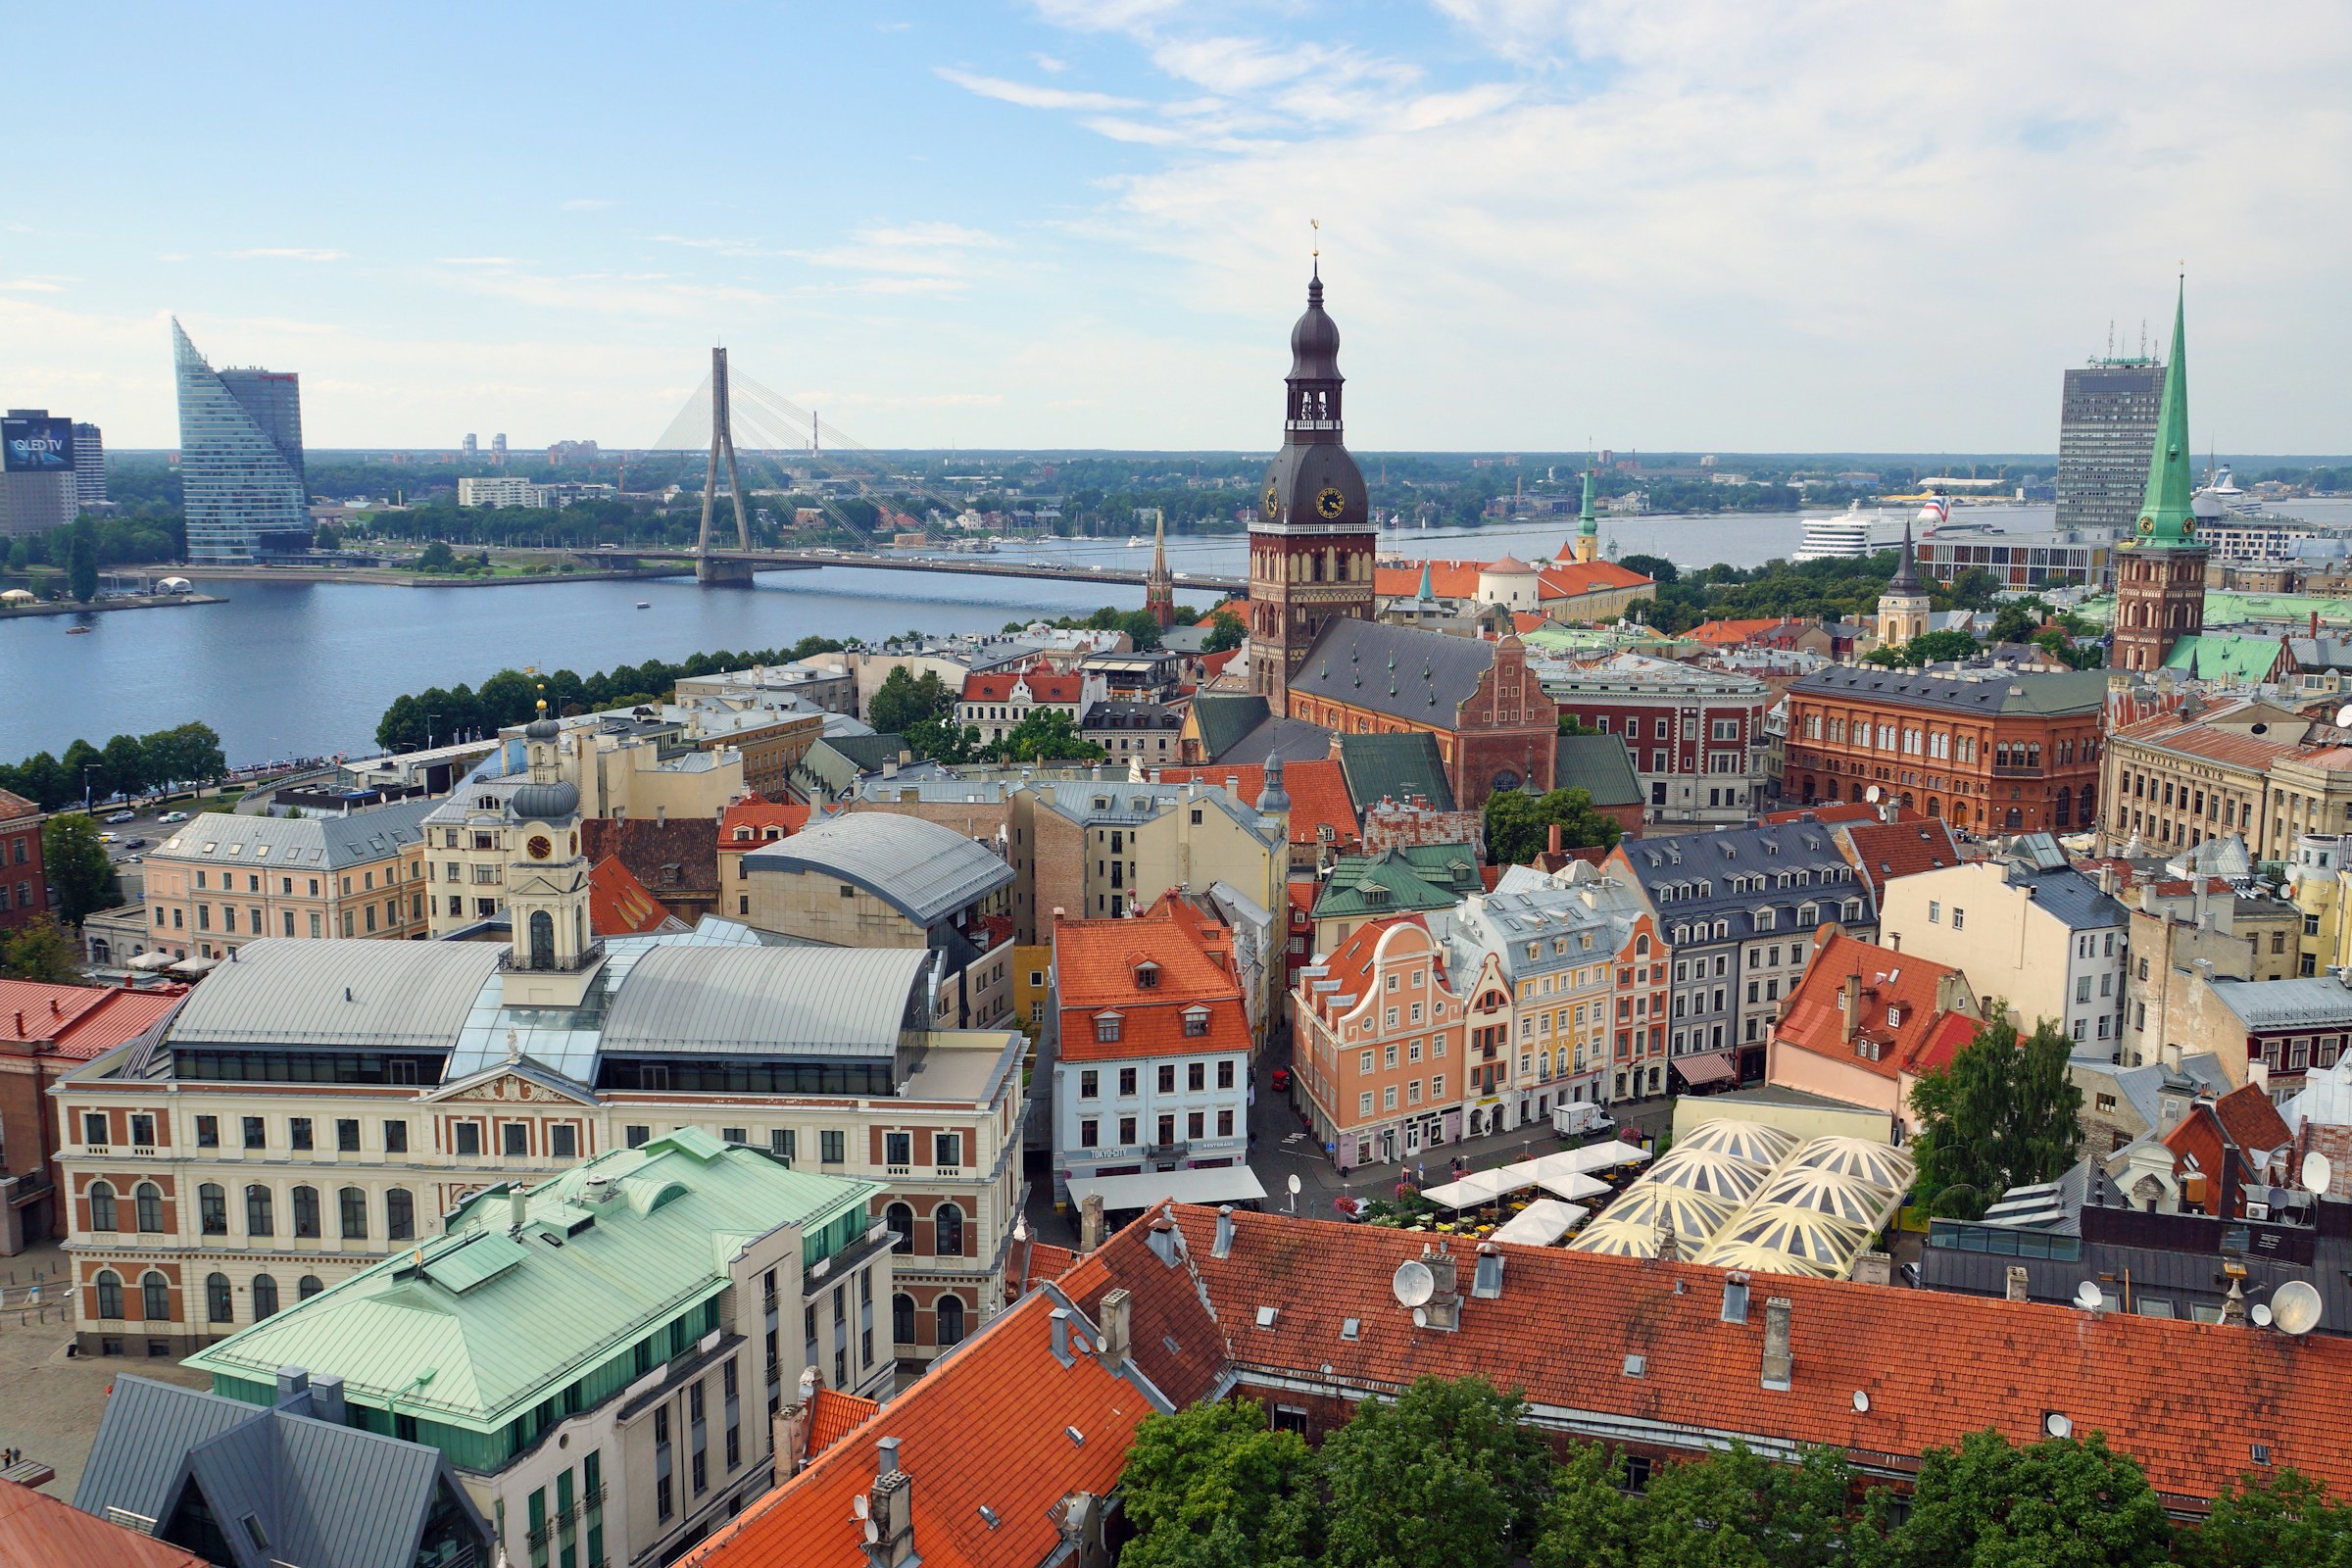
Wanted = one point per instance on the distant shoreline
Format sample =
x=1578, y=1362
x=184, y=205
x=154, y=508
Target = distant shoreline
x=385, y=576
x=134, y=601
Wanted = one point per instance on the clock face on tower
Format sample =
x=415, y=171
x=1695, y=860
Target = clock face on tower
x=539, y=848
x=1272, y=503
x=1331, y=503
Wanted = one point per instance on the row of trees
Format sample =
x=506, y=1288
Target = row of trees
x=1448, y=1475
x=132, y=539
x=2019, y=620
x=512, y=696
x=1141, y=629
x=185, y=756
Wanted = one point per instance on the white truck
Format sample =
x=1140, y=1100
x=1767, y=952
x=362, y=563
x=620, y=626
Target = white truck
x=1579, y=1119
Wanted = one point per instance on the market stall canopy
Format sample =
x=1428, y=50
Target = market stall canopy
x=1479, y=1187
x=1231, y=1183
x=1541, y=1223
x=1607, y=1155
x=1751, y=1141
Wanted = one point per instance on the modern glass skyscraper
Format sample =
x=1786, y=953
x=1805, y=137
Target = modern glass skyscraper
x=2106, y=429
x=240, y=458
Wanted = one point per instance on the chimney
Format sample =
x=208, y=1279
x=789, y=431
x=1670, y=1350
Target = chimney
x=1089, y=1213
x=327, y=1399
x=2106, y=878
x=1780, y=1364
x=789, y=1432
x=1224, y=1242
x=1734, y=1297
x=1874, y=1269
x=1947, y=988
x=1551, y=838
x=1117, y=1336
x=1061, y=1318
x=1849, y=1004
x=1486, y=1282
x=1445, y=1308
x=2015, y=1290
x=1161, y=1238
x=891, y=1511
x=292, y=1384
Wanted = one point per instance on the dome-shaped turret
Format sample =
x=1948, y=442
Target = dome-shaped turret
x=547, y=803
x=1273, y=797
x=1315, y=340
x=542, y=728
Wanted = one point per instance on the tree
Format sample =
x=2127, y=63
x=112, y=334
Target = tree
x=77, y=867
x=2285, y=1518
x=2017, y=620
x=1938, y=647
x=940, y=741
x=1570, y=725
x=1591, y=1520
x=2001, y=1115
x=126, y=765
x=2060, y=1503
x=905, y=700
x=1225, y=631
x=82, y=564
x=1657, y=568
x=1142, y=628
x=1444, y=1474
x=1888, y=657
x=1049, y=735
x=1519, y=824
x=41, y=952
x=1214, y=1483
x=325, y=538
x=1736, y=1510
x=437, y=556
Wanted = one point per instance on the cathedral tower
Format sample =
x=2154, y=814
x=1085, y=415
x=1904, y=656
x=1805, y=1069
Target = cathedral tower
x=1311, y=543
x=2160, y=571
x=1160, y=586
x=1904, y=607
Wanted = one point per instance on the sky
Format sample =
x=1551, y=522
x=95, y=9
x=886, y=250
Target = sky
x=1664, y=224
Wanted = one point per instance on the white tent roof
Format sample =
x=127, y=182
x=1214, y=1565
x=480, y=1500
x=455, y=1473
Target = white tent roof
x=1558, y=1176
x=1480, y=1187
x=1541, y=1223
x=1607, y=1155
x=1231, y=1183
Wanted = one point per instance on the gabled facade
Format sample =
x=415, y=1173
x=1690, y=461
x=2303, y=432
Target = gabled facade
x=1381, y=1047
x=2042, y=941
x=1865, y=1021
x=996, y=702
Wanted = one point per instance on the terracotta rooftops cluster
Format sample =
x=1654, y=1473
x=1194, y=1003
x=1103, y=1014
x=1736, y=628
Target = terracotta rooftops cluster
x=1885, y=1011
x=1044, y=684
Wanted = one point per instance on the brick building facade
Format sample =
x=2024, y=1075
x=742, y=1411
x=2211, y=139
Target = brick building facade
x=24, y=885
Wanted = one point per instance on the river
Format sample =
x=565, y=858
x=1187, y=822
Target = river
x=286, y=669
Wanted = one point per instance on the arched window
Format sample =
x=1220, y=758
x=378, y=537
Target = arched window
x=102, y=1210
x=400, y=1214
x=951, y=1320
x=264, y=1297
x=148, y=1199
x=218, y=1308
x=110, y=1293
x=543, y=939
x=947, y=1233
x=900, y=1220
x=154, y=1298
x=352, y=1200
x=212, y=1209
x=306, y=1211
x=257, y=1220
x=902, y=1315
x=307, y=1287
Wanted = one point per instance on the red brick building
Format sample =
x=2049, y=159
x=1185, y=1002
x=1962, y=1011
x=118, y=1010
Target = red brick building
x=24, y=886
x=46, y=1032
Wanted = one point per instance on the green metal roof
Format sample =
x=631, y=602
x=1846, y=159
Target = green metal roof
x=1224, y=719
x=1600, y=765
x=2212, y=655
x=1409, y=879
x=1397, y=767
x=503, y=1322
x=2164, y=511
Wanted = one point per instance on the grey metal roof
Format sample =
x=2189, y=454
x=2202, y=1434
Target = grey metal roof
x=2072, y=897
x=1403, y=672
x=1976, y=692
x=1224, y=717
x=145, y=1430
x=374, y=995
x=297, y=844
x=782, y=1002
x=1287, y=737
x=2317, y=1002
x=923, y=870
x=1666, y=865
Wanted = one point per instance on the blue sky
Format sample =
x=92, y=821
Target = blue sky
x=1812, y=225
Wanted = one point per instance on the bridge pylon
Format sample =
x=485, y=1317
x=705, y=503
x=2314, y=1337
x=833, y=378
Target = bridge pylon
x=707, y=570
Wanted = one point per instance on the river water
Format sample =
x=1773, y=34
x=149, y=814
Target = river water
x=287, y=669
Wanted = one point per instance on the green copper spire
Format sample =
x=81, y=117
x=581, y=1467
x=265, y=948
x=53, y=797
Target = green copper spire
x=1428, y=590
x=1585, y=524
x=2163, y=512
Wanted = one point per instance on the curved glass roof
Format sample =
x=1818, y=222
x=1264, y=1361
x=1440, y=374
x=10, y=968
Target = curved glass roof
x=1734, y=1180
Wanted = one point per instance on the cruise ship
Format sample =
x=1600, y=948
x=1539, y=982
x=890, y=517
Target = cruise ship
x=1845, y=538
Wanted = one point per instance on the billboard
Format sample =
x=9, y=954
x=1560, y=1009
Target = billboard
x=37, y=445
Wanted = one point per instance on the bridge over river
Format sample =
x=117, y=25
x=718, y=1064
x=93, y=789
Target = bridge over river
x=725, y=566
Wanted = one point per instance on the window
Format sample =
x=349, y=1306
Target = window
x=900, y=1220
x=515, y=1137
x=298, y=1132
x=307, y=1287
x=1090, y=1133
x=1090, y=1084
x=1166, y=1077
x=306, y=1211
x=469, y=1137
x=264, y=1297
x=148, y=1198
x=400, y=1214
x=663, y=1502
x=217, y=1307
x=353, y=1201
x=947, y=1231
x=1107, y=1027
x=898, y=1148
x=93, y=1128
x=208, y=1131
x=947, y=1149
x=396, y=1137
x=564, y=1142
x=102, y=1210
x=110, y=1293
x=1225, y=1073
x=347, y=1135
x=1959, y=917
x=154, y=1298
x=832, y=1147
x=257, y=1210
x=212, y=1209
x=951, y=1320
x=1126, y=1083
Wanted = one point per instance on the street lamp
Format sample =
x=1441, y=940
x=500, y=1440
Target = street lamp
x=428, y=730
x=85, y=787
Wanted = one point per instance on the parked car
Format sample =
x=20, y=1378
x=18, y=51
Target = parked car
x=106, y=838
x=124, y=816
x=173, y=817
x=1282, y=1080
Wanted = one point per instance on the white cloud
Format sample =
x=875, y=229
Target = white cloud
x=1049, y=64
x=1033, y=97
x=292, y=252
x=483, y=261
x=35, y=285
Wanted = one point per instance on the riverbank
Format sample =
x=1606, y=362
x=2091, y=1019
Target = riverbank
x=393, y=578
x=123, y=602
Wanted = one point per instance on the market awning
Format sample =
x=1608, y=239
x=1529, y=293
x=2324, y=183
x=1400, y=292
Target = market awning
x=1228, y=1183
x=1707, y=1068
x=1541, y=1223
x=1479, y=1187
x=1607, y=1155
x=1558, y=1176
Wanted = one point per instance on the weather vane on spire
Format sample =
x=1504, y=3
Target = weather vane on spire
x=1317, y=223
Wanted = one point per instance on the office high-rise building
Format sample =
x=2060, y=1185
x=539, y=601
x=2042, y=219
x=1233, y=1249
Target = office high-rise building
x=469, y=445
x=89, y=465
x=240, y=458
x=2106, y=429
x=37, y=488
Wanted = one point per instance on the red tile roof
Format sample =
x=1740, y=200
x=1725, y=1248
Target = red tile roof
x=1896, y=1012
x=1351, y=964
x=676, y=857
x=1096, y=969
x=748, y=822
x=988, y=1426
x=1213, y=665
x=1730, y=633
x=1317, y=788
x=2170, y=732
x=2252, y=1120
x=14, y=806
x=1043, y=683
x=1883, y=850
x=833, y=1415
x=84, y=1021
x=1527, y=620
x=619, y=905
x=1448, y=579
x=36, y=1529
x=1569, y=578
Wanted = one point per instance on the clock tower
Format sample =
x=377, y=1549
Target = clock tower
x=1312, y=541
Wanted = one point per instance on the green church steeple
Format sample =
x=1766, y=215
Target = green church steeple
x=1585, y=524
x=2165, y=517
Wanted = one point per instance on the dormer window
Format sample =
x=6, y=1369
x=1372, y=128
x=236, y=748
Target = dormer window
x=1106, y=1028
x=1196, y=1022
x=1147, y=976
x=1894, y=1017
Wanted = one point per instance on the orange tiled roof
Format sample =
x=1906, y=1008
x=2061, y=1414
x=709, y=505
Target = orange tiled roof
x=748, y=820
x=1897, y=1008
x=1730, y=633
x=1448, y=579
x=84, y=1021
x=1526, y=620
x=14, y=806
x=2170, y=732
x=2251, y=1121
x=1043, y=683
x=37, y=1527
x=1883, y=850
x=1351, y=964
x=1569, y=578
x=1317, y=788
x=618, y=906
x=1096, y=969
x=985, y=1427
x=1213, y=665
x=833, y=1415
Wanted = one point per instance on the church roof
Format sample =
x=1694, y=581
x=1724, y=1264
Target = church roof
x=1403, y=672
x=2168, y=506
x=1907, y=571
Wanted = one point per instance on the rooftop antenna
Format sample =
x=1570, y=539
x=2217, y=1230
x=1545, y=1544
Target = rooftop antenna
x=2111, y=337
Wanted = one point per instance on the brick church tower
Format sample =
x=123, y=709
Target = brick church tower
x=1311, y=544
x=2160, y=571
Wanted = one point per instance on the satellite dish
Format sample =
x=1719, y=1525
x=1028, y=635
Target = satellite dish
x=1294, y=1184
x=2089, y=1297
x=2343, y=717
x=2318, y=1174
x=2260, y=1312
x=1420, y=1317
x=858, y=1505
x=1413, y=1283
x=2295, y=1307
x=1861, y=1403
x=1872, y=794
x=873, y=1533
x=2057, y=1425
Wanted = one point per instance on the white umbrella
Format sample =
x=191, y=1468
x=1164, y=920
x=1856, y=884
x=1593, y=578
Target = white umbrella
x=1477, y=1187
x=1541, y=1223
x=1607, y=1155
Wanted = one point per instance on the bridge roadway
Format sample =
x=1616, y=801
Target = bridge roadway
x=730, y=565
